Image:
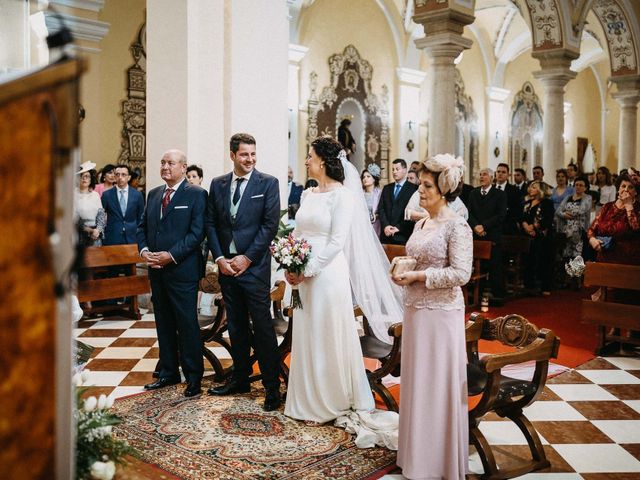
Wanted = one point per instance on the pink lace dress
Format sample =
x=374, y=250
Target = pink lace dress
x=433, y=436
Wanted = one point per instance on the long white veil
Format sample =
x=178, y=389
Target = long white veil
x=378, y=297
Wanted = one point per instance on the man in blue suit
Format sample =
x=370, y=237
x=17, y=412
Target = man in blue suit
x=169, y=238
x=242, y=219
x=124, y=207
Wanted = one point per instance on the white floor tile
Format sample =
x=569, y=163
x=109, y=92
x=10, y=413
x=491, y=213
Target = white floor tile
x=78, y=331
x=610, y=377
x=626, y=363
x=620, y=431
x=98, y=341
x=120, y=392
x=504, y=433
x=145, y=365
x=576, y=392
x=594, y=458
x=635, y=404
x=113, y=324
x=220, y=352
x=123, y=352
x=140, y=333
x=553, y=410
x=105, y=379
x=475, y=464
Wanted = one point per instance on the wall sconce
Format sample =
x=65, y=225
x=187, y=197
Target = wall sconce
x=410, y=145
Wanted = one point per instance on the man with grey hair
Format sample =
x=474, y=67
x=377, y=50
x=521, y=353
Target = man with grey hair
x=487, y=211
x=169, y=238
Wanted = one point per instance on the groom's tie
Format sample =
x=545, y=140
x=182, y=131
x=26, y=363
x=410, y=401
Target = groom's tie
x=236, y=193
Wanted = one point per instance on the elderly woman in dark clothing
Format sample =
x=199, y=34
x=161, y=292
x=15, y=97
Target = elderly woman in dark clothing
x=537, y=222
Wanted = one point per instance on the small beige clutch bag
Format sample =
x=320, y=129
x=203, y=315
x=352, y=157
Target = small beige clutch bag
x=400, y=265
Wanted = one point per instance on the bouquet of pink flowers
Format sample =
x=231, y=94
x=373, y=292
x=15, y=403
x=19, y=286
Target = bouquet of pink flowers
x=293, y=255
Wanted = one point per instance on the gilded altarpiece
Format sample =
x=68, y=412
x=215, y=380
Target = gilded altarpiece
x=526, y=132
x=351, y=86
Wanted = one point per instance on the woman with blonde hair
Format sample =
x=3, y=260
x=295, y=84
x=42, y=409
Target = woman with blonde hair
x=537, y=222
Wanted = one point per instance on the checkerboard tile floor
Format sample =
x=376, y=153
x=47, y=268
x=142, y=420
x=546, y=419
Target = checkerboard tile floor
x=588, y=418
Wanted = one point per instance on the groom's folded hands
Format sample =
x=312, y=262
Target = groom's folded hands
x=240, y=264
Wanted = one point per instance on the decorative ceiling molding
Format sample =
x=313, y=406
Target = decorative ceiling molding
x=546, y=24
x=93, y=5
x=619, y=33
x=81, y=28
x=504, y=29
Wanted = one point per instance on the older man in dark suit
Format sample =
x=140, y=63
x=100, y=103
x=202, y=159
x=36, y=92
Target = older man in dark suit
x=487, y=212
x=394, y=198
x=242, y=219
x=124, y=207
x=169, y=239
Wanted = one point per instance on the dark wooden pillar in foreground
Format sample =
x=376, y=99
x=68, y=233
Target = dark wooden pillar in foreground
x=38, y=142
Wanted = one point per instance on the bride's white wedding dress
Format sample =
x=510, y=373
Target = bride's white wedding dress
x=327, y=379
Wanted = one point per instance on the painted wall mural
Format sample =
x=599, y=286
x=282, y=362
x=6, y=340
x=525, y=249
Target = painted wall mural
x=349, y=96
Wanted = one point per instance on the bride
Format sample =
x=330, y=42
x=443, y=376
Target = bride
x=327, y=379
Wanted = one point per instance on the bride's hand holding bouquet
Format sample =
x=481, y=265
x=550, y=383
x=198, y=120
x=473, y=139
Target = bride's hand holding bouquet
x=292, y=254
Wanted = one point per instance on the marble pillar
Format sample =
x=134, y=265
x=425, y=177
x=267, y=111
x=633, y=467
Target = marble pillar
x=553, y=79
x=627, y=97
x=408, y=125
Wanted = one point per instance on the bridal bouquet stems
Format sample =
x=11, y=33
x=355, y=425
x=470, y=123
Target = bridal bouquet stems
x=97, y=452
x=292, y=254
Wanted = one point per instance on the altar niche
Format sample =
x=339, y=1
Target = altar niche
x=349, y=96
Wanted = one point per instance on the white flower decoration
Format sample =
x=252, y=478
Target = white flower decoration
x=103, y=470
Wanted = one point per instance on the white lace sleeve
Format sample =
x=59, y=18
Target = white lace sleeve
x=460, y=255
x=341, y=214
x=413, y=205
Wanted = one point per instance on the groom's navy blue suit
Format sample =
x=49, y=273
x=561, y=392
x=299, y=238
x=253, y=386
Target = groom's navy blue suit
x=180, y=231
x=247, y=295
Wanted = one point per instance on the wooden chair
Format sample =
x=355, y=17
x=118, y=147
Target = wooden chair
x=514, y=248
x=504, y=395
x=481, y=251
x=129, y=286
x=393, y=251
x=614, y=312
x=387, y=355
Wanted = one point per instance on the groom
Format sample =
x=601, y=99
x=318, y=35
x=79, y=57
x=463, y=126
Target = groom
x=242, y=218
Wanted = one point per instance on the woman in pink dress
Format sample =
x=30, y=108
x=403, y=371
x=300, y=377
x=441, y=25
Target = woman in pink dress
x=107, y=179
x=433, y=436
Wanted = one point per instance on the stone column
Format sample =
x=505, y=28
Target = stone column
x=409, y=113
x=553, y=78
x=443, y=42
x=296, y=54
x=497, y=127
x=628, y=96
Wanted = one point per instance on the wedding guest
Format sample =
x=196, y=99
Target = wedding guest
x=412, y=177
x=433, y=404
x=394, y=198
x=107, y=178
x=514, y=200
x=310, y=183
x=537, y=221
x=520, y=181
x=370, y=179
x=88, y=207
x=615, y=233
x=295, y=192
x=572, y=219
x=415, y=165
x=487, y=212
x=538, y=173
x=572, y=174
x=195, y=175
x=605, y=188
x=562, y=190
x=124, y=206
x=415, y=212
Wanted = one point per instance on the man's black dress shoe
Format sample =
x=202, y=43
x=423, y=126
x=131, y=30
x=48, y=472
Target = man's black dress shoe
x=230, y=388
x=193, y=389
x=272, y=401
x=161, y=383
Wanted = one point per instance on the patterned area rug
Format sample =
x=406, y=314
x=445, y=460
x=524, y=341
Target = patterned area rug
x=233, y=438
